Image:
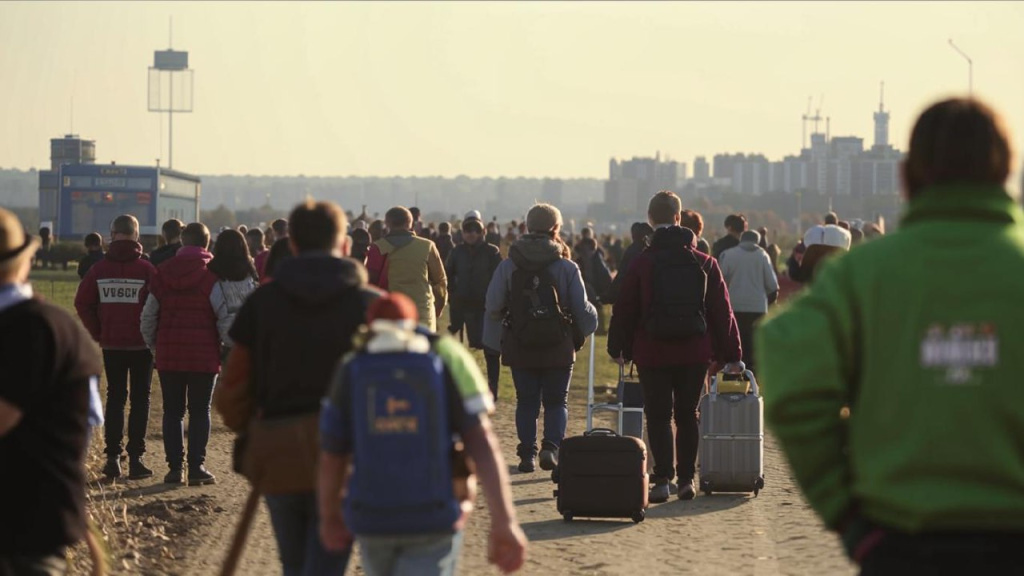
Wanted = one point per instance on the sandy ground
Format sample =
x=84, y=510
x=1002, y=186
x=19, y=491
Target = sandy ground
x=774, y=533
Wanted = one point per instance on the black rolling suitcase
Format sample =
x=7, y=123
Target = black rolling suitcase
x=602, y=475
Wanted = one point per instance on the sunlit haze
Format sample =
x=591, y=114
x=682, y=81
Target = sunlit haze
x=488, y=89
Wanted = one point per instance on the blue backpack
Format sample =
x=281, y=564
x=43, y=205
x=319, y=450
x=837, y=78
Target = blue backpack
x=402, y=445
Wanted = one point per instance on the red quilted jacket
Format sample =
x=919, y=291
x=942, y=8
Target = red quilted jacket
x=186, y=337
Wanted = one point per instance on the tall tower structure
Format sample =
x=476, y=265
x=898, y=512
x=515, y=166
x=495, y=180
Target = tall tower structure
x=881, y=122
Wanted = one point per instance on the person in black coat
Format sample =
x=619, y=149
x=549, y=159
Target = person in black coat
x=469, y=267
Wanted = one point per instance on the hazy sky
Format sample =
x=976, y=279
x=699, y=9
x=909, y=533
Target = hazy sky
x=488, y=89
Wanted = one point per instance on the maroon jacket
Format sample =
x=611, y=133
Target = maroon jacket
x=186, y=336
x=110, y=298
x=627, y=334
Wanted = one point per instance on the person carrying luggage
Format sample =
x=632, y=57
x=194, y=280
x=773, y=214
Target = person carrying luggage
x=538, y=316
x=672, y=319
x=396, y=406
x=896, y=399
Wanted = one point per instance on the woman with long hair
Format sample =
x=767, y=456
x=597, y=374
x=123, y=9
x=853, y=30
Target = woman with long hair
x=237, y=278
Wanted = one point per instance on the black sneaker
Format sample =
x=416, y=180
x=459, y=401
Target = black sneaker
x=687, y=491
x=175, y=476
x=137, y=470
x=200, y=476
x=112, y=469
x=527, y=464
x=548, y=459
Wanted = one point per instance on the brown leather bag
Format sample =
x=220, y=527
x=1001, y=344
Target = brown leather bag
x=280, y=455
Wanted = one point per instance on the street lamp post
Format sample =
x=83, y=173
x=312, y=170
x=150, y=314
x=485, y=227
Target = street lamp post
x=970, y=67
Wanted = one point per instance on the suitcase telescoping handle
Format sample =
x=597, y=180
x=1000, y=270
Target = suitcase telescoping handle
x=601, y=432
x=747, y=375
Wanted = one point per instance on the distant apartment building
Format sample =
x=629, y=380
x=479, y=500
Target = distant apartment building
x=701, y=169
x=632, y=182
x=832, y=166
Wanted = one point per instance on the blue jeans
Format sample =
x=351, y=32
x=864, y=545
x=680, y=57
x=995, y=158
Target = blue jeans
x=419, y=555
x=296, y=526
x=536, y=386
x=191, y=391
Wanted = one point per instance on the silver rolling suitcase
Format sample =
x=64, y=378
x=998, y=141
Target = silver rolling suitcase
x=732, y=435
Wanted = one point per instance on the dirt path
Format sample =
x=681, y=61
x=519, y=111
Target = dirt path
x=184, y=530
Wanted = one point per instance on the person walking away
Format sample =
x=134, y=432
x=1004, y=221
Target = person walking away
x=890, y=397
x=278, y=253
x=236, y=280
x=493, y=234
x=171, y=232
x=672, y=320
x=537, y=316
x=753, y=286
x=596, y=277
x=256, y=241
x=179, y=322
x=469, y=269
x=640, y=233
x=694, y=221
x=444, y=241
x=109, y=302
x=93, y=253
x=735, y=224
x=287, y=341
x=406, y=263
x=48, y=400
x=361, y=241
x=438, y=400
x=822, y=242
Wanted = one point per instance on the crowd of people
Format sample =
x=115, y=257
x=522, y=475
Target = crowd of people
x=318, y=342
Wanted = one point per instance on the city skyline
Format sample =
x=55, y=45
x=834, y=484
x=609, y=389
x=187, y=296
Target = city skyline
x=503, y=89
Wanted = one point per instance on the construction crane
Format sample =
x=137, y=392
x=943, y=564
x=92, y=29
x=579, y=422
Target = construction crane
x=806, y=117
x=816, y=118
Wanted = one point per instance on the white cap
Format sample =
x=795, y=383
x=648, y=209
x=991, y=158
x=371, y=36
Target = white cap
x=473, y=215
x=359, y=225
x=827, y=235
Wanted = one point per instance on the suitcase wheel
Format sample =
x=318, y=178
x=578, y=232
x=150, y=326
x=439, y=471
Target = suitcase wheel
x=639, y=517
x=567, y=516
x=708, y=492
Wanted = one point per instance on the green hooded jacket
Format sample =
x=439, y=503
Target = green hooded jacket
x=916, y=333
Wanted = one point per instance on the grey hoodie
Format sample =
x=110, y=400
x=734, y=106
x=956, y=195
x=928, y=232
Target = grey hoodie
x=748, y=271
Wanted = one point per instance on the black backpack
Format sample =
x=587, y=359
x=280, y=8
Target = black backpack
x=677, y=296
x=534, y=314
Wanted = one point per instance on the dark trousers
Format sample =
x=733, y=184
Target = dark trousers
x=942, y=554
x=745, y=322
x=296, y=523
x=191, y=391
x=119, y=365
x=673, y=391
x=493, y=370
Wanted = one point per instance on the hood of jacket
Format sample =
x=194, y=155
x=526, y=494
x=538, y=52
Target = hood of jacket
x=397, y=239
x=187, y=268
x=673, y=238
x=535, y=252
x=124, y=251
x=749, y=246
x=318, y=278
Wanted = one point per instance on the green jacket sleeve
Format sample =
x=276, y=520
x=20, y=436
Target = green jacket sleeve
x=807, y=366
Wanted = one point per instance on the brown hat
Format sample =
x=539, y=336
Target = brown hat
x=15, y=244
x=543, y=218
